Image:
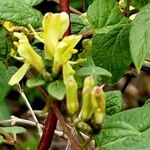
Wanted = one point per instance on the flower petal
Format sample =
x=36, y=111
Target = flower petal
x=72, y=40
x=54, y=26
x=15, y=79
x=26, y=51
x=66, y=48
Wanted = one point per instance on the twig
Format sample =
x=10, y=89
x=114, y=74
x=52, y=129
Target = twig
x=15, y=120
x=30, y=108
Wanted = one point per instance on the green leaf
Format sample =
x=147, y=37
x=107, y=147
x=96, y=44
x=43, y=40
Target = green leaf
x=110, y=50
x=29, y=144
x=139, y=37
x=4, y=111
x=104, y=13
x=57, y=89
x=32, y=2
x=5, y=75
x=110, y=43
x=93, y=70
x=139, y=3
x=96, y=72
x=1, y=139
x=14, y=130
x=128, y=130
x=19, y=13
x=76, y=23
x=5, y=43
x=35, y=81
x=114, y=102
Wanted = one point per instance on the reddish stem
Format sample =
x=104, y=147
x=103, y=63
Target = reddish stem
x=51, y=119
x=48, y=132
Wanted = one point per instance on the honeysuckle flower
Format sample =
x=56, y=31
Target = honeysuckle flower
x=54, y=25
x=29, y=57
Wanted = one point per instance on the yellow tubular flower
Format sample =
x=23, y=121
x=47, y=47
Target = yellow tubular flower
x=64, y=51
x=98, y=102
x=26, y=51
x=67, y=72
x=29, y=56
x=66, y=48
x=54, y=26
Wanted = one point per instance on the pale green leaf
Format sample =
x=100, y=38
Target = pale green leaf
x=139, y=3
x=114, y=102
x=92, y=70
x=14, y=130
x=139, y=37
x=1, y=139
x=57, y=89
x=97, y=73
x=128, y=130
x=19, y=13
x=35, y=81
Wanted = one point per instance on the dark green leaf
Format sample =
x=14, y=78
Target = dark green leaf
x=114, y=102
x=104, y=13
x=32, y=2
x=14, y=130
x=110, y=50
x=5, y=75
x=35, y=81
x=110, y=43
x=139, y=37
x=128, y=130
x=76, y=23
x=5, y=43
x=4, y=111
x=19, y=13
x=57, y=89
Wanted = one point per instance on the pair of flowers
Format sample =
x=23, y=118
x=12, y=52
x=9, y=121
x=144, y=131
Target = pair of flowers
x=54, y=27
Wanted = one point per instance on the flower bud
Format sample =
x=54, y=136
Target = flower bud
x=71, y=96
x=98, y=102
x=87, y=110
x=84, y=127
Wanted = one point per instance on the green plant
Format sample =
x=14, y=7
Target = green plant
x=69, y=61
